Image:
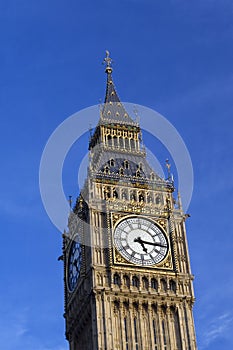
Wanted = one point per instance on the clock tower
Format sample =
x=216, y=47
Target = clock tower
x=127, y=276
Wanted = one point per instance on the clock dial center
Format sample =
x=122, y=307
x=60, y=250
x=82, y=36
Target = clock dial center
x=135, y=237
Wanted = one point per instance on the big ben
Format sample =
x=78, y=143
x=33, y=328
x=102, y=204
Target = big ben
x=127, y=276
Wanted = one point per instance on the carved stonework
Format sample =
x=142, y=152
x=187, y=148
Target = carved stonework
x=119, y=303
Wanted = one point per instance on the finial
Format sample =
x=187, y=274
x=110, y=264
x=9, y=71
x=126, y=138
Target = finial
x=108, y=62
x=179, y=200
x=70, y=201
x=168, y=165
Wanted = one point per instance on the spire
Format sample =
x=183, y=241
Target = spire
x=113, y=110
x=111, y=94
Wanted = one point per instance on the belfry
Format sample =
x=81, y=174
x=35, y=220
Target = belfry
x=127, y=275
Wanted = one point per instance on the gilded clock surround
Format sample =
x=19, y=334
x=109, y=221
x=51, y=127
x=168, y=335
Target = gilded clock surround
x=116, y=304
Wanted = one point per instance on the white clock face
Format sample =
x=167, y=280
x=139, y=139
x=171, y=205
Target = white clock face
x=140, y=241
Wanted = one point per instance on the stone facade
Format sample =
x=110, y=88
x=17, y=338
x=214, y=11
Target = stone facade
x=110, y=302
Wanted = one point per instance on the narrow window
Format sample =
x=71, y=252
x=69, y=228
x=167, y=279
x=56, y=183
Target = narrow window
x=141, y=197
x=133, y=196
x=154, y=284
x=155, y=333
x=114, y=193
x=107, y=193
x=112, y=162
x=132, y=143
x=121, y=171
x=145, y=283
x=126, y=281
x=126, y=334
x=116, y=279
x=135, y=282
x=163, y=285
x=121, y=143
x=164, y=335
x=186, y=322
x=115, y=141
x=124, y=194
x=136, y=333
x=106, y=170
x=172, y=286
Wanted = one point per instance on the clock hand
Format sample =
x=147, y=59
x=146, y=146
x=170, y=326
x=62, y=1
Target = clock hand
x=154, y=243
x=139, y=240
x=142, y=242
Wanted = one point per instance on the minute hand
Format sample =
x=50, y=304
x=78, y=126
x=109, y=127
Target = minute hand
x=154, y=243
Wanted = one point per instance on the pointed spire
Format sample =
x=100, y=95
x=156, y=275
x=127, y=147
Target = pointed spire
x=113, y=110
x=111, y=94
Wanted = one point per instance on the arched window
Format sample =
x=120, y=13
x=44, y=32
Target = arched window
x=154, y=284
x=126, y=164
x=112, y=162
x=138, y=173
x=99, y=280
x=158, y=200
x=145, y=283
x=116, y=279
x=126, y=281
x=121, y=171
x=141, y=197
x=109, y=140
x=114, y=193
x=124, y=195
x=163, y=285
x=133, y=196
x=172, y=285
x=135, y=281
x=149, y=198
x=107, y=193
x=106, y=170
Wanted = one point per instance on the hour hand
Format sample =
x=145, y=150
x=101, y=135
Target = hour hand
x=139, y=240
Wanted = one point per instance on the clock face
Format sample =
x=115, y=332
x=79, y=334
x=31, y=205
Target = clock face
x=74, y=263
x=140, y=241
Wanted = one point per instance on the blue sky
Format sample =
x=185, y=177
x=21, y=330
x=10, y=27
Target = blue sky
x=174, y=56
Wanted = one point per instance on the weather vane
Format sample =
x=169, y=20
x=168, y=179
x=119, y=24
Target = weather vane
x=108, y=61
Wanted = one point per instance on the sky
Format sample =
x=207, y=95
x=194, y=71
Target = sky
x=173, y=56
